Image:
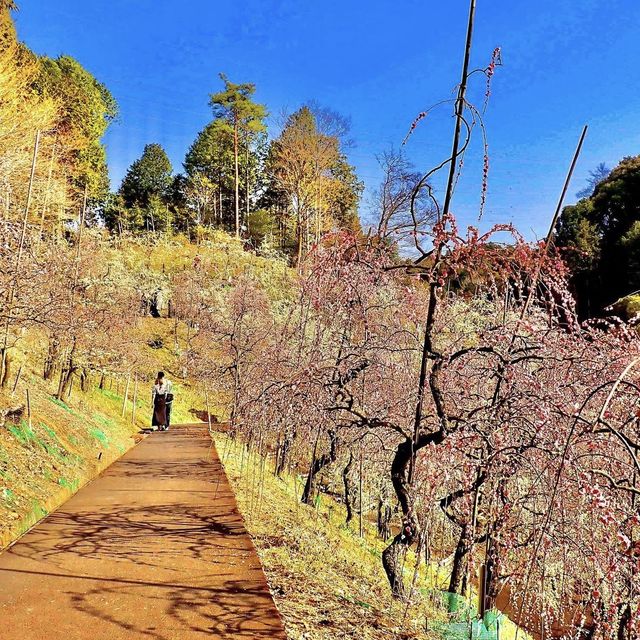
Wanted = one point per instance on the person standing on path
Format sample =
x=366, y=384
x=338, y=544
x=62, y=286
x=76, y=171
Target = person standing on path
x=161, y=397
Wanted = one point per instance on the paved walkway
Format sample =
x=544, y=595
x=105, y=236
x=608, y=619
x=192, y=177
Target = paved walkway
x=154, y=548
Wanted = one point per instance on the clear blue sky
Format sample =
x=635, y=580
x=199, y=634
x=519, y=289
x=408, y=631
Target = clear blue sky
x=566, y=63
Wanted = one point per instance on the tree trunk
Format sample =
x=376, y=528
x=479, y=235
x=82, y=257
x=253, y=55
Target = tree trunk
x=283, y=453
x=247, y=184
x=67, y=379
x=317, y=466
x=154, y=305
x=237, y=178
x=5, y=371
x=624, y=624
x=458, y=580
x=66, y=375
x=348, y=489
x=299, y=239
x=52, y=357
x=493, y=582
x=384, y=519
x=400, y=478
x=392, y=556
x=84, y=380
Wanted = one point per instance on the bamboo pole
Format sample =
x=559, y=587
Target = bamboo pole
x=126, y=395
x=554, y=220
x=135, y=398
x=206, y=398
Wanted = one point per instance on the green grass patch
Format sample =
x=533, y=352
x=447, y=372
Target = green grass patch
x=70, y=485
x=62, y=404
x=100, y=436
x=23, y=432
x=112, y=395
x=49, y=431
x=103, y=421
x=38, y=511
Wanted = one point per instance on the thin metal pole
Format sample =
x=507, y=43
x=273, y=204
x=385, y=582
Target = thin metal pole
x=23, y=234
x=82, y=220
x=554, y=220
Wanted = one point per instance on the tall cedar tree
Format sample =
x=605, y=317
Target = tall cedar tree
x=145, y=189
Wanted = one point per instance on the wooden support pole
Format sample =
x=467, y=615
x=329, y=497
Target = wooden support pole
x=29, y=407
x=15, y=384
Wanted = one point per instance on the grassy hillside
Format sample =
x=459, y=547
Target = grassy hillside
x=327, y=581
x=48, y=456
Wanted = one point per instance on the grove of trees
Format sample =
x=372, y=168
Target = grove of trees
x=281, y=194
x=600, y=238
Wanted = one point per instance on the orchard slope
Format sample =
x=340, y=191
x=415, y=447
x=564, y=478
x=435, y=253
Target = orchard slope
x=84, y=338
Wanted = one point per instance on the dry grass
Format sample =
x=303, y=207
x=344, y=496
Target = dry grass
x=328, y=583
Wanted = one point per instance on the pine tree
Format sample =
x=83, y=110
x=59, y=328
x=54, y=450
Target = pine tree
x=244, y=118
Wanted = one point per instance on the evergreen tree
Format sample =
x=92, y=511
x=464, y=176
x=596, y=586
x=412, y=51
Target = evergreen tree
x=600, y=241
x=210, y=161
x=85, y=110
x=145, y=192
x=244, y=119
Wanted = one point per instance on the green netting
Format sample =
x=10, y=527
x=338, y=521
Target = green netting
x=464, y=623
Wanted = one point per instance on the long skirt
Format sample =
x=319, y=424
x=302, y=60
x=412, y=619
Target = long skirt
x=159, y=411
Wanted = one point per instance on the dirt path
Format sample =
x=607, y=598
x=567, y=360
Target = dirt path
x=154, y=548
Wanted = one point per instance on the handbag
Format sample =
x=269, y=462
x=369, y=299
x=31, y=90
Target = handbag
x=169, y=397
